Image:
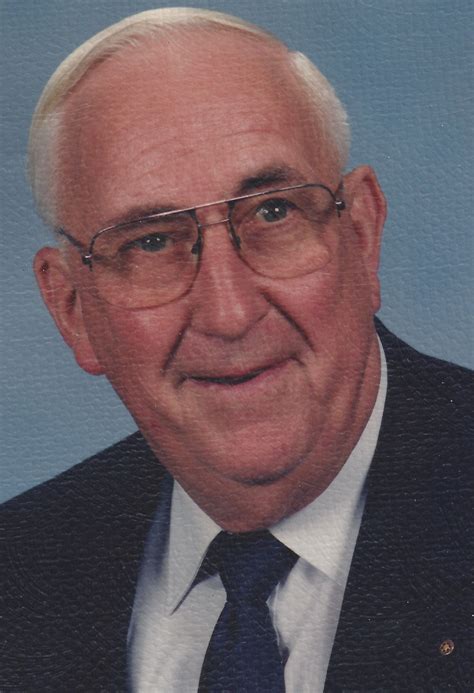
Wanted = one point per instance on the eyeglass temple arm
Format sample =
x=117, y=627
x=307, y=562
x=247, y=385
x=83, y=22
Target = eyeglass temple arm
x=339, y=202
x=340, y=206
x=85, y=255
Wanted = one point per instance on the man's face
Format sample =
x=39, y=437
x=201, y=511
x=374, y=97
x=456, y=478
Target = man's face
x=149, y=128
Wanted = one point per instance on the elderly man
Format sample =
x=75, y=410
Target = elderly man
x=291, y=512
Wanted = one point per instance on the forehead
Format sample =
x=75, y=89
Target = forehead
x=208, y=102
x=192, y=70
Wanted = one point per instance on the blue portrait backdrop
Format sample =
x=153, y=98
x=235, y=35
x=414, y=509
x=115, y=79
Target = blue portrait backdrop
x=403, y=69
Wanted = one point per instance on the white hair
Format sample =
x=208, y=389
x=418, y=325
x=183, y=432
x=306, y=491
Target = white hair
x=47, y=118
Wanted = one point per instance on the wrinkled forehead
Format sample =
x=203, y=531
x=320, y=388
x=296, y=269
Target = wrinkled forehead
x=188, y=97
x=190, y=73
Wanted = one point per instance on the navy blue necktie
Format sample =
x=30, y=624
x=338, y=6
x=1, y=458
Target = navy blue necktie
x=243, y=654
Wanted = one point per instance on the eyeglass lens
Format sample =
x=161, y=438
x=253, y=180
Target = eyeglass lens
x=154, y=261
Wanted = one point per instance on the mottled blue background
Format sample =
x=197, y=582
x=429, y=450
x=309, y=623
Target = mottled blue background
x=404, y=70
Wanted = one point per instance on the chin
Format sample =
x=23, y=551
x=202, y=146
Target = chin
x=256, y=458
x=260, y=506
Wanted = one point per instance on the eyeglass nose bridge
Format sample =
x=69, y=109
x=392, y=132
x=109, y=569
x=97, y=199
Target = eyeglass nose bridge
x=197, y=247
x=226, y=220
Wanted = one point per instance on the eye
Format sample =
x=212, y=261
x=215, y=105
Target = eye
x=273, y=210
x=152, y=243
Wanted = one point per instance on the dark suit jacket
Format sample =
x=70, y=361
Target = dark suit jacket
x=71, y=550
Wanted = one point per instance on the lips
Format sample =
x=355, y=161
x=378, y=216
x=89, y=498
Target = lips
x=235, y=378
x=230, y=379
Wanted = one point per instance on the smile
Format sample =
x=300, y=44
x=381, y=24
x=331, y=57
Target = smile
x=231, y=379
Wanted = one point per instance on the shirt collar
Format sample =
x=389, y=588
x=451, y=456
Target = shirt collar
x=191, y=532
x=317, y=533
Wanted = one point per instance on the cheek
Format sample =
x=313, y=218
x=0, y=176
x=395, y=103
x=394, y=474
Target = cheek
x=312, y=298
x=331, y=305
x=132, y=344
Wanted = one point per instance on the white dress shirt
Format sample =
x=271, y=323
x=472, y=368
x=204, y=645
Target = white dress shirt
x=172, y=624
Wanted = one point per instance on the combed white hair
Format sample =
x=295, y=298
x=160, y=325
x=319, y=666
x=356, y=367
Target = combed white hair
x=47, y=118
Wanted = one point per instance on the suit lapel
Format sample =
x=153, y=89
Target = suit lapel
x=394, y=615
x=117, y=591
x=71, y=555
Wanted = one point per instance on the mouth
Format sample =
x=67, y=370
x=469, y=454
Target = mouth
x=235, y=379
x=230, y=379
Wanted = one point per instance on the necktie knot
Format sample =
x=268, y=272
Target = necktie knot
x=250, y=565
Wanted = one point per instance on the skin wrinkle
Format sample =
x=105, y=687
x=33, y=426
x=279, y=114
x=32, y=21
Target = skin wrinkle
x=271, y=177
x=82, y=111
x=251, y=454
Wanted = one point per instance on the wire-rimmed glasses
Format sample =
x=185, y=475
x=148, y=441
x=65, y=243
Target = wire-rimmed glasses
x=154, y=260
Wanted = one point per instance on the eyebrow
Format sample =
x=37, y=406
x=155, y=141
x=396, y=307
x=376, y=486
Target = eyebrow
x=138, y=212
x=270, y=176
x=267, y=177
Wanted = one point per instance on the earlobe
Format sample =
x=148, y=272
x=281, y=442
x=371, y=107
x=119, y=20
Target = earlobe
x=63, y=302
x=367, y=209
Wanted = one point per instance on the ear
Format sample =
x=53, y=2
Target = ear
x=367, y=210
x=62, y=299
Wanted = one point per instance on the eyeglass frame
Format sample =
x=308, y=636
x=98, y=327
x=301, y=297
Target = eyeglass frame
x=88, y=257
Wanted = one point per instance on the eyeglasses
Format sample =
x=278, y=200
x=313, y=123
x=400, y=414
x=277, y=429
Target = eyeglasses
x=155, y=259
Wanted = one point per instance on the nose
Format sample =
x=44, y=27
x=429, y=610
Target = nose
x=227, y=300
